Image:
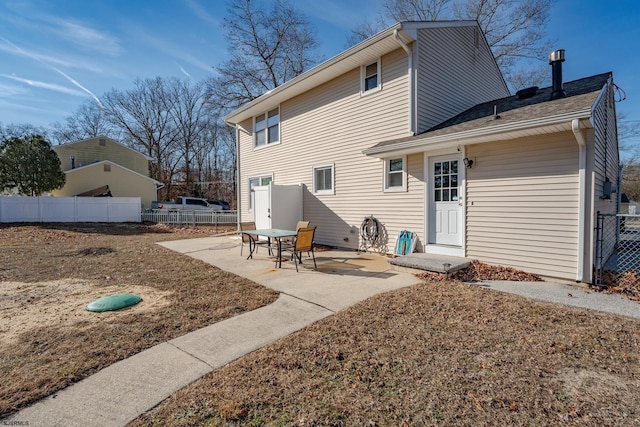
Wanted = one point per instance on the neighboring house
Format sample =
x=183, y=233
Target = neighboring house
x=101, y=166
x=388, y=127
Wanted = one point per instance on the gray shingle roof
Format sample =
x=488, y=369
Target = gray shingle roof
x=580, y=96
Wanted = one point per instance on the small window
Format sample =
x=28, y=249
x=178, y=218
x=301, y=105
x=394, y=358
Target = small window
x=371, y=77
x=103, y=142
x=107, y=168
x=323, y=179
x=395, y=174
x=255, y=182
x=267, y=128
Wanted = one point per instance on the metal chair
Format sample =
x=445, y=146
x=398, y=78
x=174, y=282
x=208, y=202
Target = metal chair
x=302, y=243
x=253, y=242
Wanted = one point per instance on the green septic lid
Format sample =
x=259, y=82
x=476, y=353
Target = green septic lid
x=114, y=302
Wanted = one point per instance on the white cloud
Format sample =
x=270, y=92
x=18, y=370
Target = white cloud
x=45, y=85
x=86, y=37
x=201, y=12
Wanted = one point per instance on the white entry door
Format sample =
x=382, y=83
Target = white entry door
x=262, y=206
x=445, y=213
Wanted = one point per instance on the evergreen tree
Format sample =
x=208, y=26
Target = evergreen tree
x=29, y=165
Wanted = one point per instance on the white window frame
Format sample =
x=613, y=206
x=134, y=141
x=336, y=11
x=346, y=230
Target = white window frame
x=363, y=77
x=387, y=171
x=330, y=166
x=260, y=177
x=267, y=126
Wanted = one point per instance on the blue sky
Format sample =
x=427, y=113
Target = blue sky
x=54, y=55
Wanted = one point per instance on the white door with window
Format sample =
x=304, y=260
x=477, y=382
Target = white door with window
x=445, y=212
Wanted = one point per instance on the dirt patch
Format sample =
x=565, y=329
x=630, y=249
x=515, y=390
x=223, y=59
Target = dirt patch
x=50, y=272
x=25, y=306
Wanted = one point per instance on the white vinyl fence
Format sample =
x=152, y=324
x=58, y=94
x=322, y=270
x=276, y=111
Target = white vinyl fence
x=70, y=209
x=190, y=217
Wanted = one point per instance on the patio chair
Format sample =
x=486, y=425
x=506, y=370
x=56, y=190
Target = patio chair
x=252, y=240
x=303, y=242
x=299, y=225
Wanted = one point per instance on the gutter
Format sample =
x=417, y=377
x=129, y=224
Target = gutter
x=582, y=165
x=412, y=106
x=468, y=136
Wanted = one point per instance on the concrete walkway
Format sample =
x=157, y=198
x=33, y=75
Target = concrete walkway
x=122, y=391
x=119, y=393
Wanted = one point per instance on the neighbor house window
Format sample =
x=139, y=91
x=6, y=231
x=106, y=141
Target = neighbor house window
x=267, y=128
x=107, y=168
x=323, y=179
x=254, y=182
x=395, y=174
x=370, y=77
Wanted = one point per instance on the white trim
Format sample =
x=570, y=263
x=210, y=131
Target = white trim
x=428, y=197
x=443, y=250
x=266, y=130
x=363, y=78
x=385, y=185
x=332, y=166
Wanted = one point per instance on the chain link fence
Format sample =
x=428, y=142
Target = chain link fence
x=618, y=251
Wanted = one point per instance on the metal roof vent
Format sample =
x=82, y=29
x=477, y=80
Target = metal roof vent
x=527, y=92
x=556, y=58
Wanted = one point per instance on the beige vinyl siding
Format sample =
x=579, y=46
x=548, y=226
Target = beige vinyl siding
x=121, y=181
x=90, y=151
x=522, y=204
x=605, y=164
x=453, y=74
x=332, y=124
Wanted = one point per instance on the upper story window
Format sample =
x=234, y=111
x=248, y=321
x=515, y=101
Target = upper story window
x=371, y=77
x=323, y=179
x=267, y=128
x=395, y=174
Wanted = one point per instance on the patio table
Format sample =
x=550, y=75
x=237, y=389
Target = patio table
x=272, y=233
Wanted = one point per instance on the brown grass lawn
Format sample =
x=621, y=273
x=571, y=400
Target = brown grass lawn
x=439, y=353
x=50, y=272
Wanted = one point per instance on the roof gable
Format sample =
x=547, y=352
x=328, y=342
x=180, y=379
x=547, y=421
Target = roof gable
x=367, y=51
x=97, y=138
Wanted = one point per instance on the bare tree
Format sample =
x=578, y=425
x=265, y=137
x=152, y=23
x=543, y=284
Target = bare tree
x=269, y=46
x=144, y=115
x=88, y=121
x=189, y=116
x=514, y=30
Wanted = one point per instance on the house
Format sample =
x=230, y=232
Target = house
x=416, y=127
x=103, y=167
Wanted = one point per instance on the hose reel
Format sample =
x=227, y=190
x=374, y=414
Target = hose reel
x=370, y=232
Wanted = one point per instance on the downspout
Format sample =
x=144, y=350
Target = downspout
x=582, y=166
x=412, y=128
x=238, y=184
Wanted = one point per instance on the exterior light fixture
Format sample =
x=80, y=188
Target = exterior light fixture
x=467, y=162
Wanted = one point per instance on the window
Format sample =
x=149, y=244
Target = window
x=370, y=77
x=107, y=168
x=267, y=128
x=445, y=181
x=254, y=182
x=395, y=174
x=323, y=179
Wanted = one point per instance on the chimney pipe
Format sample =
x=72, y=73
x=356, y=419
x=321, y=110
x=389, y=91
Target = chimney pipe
x=556, y=58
